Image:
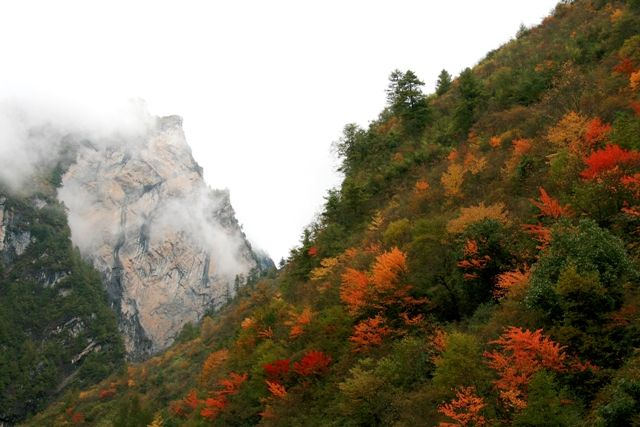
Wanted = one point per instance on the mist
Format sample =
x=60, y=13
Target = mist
x=33, y=133
x=197, y=216
x=124, y=163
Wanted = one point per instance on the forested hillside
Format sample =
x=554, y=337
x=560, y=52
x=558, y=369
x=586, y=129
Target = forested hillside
x=56, y=327
x=479, y=265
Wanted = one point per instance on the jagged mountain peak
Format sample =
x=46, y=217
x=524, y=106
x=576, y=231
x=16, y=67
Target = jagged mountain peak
x=169, y=247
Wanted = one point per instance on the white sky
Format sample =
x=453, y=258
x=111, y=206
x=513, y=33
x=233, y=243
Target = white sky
x=264, y=87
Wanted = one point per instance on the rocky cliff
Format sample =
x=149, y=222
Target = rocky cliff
x=168, y=247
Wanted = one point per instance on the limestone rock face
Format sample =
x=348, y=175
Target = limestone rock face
x=3, y=226
x=169, y=248
x=13, y=240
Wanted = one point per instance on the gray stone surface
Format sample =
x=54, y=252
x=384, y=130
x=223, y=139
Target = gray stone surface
x=169, y=248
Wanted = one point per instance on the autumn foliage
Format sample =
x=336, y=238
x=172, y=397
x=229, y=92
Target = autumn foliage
x=473, y=261
x=276, y=389
x=569, y=132
x=369, y=333
x=465, y=409
x=354, y=290
x=77, y=418
x=511, y=280
x=610, y=161
x=382, y=288
x=299, y=323
x=596, y=132
x=520, y=355
x=625, y=66
x=312, y=363
x=326, y=267
x=107, y=393
x=191, y=400
x=387, y=270
x=540, y=233
x=217, y=401
x=421, y=186
x=435, y=244
x=185, y=406
x=473, y=214
x=634, y=80
x=474, y=164
x=549, y=206
x=232, y=383
x=210, y=407
x=212, y=363
x=452, y=180
x=521, y=146
x=278, y=369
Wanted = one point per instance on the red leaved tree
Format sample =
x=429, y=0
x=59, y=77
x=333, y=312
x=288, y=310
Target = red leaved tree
x=597, y=132
x=278, y=369
x=217, y=401
x=213, y=406
x=625, y=66
x=231, y=384
x=77, y=418
x=187, y=405
x=611, y=161
x=312, y=363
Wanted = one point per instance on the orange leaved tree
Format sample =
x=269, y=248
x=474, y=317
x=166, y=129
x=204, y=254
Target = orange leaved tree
x=511, y=281
x=368, y=333
x=521, y=354
x=382, y=289
x=549, y=206
x=465, y=409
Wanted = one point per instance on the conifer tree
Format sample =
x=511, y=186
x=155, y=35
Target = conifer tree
x=406, y=100
x=444, y=82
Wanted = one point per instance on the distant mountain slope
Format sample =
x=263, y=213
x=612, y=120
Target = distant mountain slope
x=164, y=247
x=479, y=265
x=56, y=327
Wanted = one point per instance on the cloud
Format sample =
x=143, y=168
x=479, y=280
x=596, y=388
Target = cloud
x=204, y=216
x=34, y=132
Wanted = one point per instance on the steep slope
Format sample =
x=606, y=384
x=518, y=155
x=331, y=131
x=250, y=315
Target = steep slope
x=479, y=264
x=56, y=328
x=164, y=247
x=168, y=247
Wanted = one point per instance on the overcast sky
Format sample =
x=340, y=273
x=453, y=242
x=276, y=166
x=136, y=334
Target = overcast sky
x=264, y=87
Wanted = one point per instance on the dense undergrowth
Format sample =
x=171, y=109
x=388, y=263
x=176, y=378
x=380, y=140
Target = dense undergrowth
x=50, y=336
x=477, y=266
